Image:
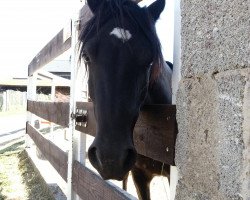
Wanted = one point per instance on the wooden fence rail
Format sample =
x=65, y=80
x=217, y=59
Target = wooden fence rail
x=57, y=157
x=86, y=183
x=154, y=135
x=59, y=44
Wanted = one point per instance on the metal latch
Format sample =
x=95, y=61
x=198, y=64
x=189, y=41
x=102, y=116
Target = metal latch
x=80, y=117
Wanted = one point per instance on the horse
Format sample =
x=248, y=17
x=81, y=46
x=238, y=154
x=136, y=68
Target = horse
x=144, y=170
x=126, y=70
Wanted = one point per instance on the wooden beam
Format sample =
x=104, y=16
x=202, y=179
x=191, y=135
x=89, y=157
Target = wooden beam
x=86, y=183
x=58, y=45
x=154, y=134
x=85, y=14
x=52, y=153
x=89, y=185
x=57, y=112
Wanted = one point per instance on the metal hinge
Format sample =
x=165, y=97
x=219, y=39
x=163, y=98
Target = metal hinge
x=81, y=117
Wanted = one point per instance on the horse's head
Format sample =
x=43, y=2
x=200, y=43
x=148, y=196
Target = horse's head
x=123, y=54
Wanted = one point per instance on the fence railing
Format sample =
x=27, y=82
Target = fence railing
x=154, y=136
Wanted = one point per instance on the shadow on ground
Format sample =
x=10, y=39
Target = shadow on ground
x=37, y=187
x=57, y=192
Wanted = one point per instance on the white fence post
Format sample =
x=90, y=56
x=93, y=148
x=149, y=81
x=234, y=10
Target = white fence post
x=71, y=112
x=77, y=140
x=7, y=100
x=175, y=82
x=32, y=96
x=4, y=101
x=52, y=99
x=80, y=95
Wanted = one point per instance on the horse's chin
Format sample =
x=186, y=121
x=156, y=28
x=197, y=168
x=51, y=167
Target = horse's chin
x=113, y=176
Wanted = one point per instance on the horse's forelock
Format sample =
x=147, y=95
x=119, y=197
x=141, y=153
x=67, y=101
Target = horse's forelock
x=117, y=9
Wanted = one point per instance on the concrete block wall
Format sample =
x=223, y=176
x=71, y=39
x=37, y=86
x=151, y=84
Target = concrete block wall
x=213, y=101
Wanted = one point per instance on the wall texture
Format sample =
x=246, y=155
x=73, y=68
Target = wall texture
x=213, y=101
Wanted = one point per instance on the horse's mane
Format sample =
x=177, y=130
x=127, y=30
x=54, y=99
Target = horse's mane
x=118, y=10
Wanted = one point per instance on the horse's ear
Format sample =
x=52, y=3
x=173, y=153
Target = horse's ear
x=94, y=4
x=156, y=8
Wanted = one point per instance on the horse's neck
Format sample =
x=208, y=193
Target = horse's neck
x=160, y=91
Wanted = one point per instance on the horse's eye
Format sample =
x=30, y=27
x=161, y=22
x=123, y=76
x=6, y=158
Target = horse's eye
x=86, y=58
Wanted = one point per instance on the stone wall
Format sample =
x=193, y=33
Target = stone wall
x=213, y=101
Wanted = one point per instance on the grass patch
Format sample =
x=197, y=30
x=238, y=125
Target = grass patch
x=19, y=179
x=47, y=129
x=15, y=148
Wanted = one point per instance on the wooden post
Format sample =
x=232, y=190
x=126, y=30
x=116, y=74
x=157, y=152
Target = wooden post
x=175, y=82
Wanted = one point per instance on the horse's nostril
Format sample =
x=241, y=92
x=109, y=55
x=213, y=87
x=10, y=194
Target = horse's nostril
x=130, y=159
x=93, y=157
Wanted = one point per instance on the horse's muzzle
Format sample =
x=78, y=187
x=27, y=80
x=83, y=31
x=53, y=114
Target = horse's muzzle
x=113, y=163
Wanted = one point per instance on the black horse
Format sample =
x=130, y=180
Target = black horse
x=126, y=70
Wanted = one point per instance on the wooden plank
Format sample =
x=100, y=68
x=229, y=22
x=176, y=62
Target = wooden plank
x=57, y=112
x=86, y=183
x=154, y=135
x=89, y=185
x=52, y=153
x=85, y=14
x=155, y=130
x=58, y=45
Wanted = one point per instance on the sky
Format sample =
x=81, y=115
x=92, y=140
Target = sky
x=28, y=25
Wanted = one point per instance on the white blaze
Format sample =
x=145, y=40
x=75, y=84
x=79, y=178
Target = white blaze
x=121, y=33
